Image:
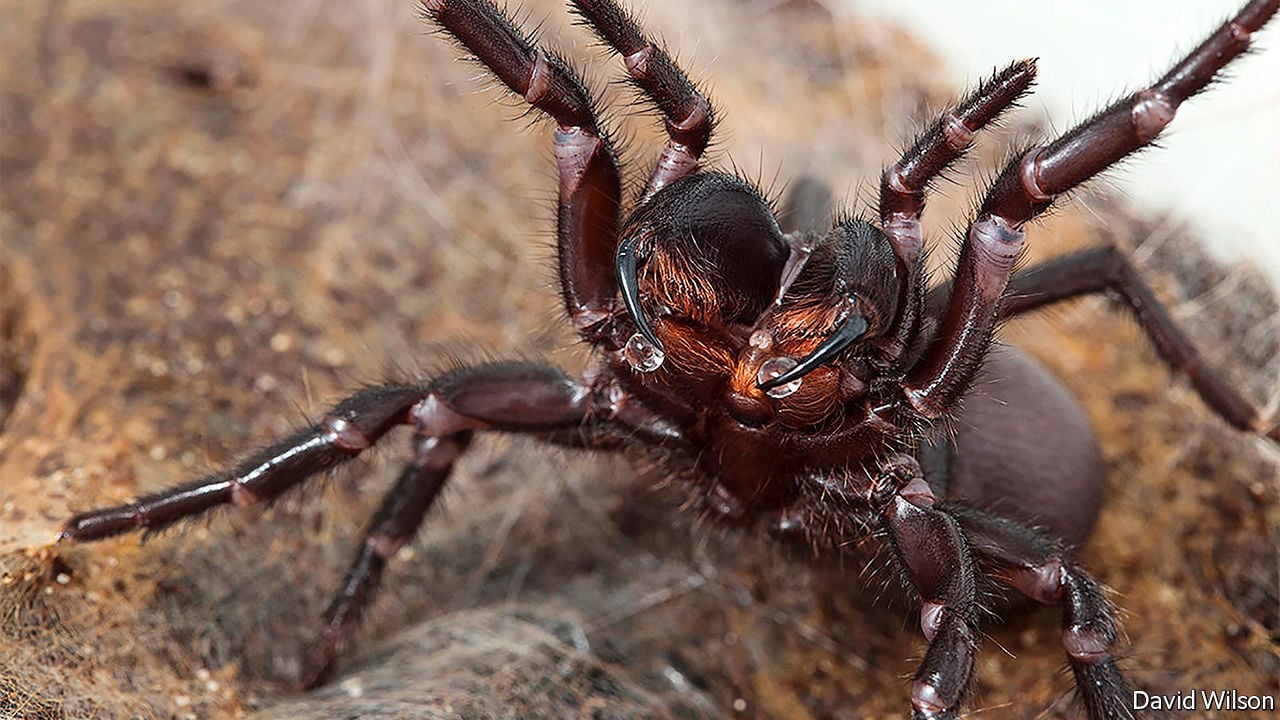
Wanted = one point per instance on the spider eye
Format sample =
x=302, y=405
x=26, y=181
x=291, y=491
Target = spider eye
x=853, y=327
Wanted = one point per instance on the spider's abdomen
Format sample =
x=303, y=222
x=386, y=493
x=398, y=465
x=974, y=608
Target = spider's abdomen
x=1026, y=450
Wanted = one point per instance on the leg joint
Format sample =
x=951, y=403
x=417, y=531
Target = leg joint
x=1043, y=583
x=345, y=434
x=438, y=453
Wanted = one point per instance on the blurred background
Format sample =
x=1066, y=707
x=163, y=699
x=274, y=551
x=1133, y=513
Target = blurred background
x=1219, y=169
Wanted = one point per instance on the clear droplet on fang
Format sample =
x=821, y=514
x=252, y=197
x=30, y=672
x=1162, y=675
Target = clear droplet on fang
x=642, y=355
x=774, y=367
x=760, y=340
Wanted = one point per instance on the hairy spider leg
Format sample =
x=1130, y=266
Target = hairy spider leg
x=345, y=431
x=396, y=522
x=905, y=184
x=589, y=209
x=523, y=398
x=1040, y=567
x=687, y=115
x=932, y=550
x=1104, y=269
x=936, y=543
x=903, y=189
x=520, y=398
x=1028, y=186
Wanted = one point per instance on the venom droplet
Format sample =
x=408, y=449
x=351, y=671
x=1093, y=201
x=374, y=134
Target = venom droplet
x=774, y=367
x=642, y=355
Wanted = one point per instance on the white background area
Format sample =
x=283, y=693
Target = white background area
x=1219, y=168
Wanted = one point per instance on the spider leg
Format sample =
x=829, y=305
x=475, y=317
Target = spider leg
x=512, y=397
x=904, y=184
x=928, y=543
x=517, y=397
x=1105, y=269
x=351, y=427
x=590, y=188
x=687, y=115
x=402, y=511
x=1041, y=568
x=522, y=398
x=1029, y=185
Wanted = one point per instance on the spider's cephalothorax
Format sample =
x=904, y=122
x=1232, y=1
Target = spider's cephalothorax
x=780, y=347
x=800, y=378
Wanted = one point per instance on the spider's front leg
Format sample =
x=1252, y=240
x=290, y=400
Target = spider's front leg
x=512, y=397
x=588, y=215
x=1029, y=185
x=904, y=187
x=687, y=114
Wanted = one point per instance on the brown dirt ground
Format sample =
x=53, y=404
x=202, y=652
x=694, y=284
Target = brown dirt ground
x=219, y=217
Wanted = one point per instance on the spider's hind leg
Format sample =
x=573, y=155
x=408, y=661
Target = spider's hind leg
x=403, y=509
x=1104, y=269
x=509, y=397
x=1042, y=569
x=523, y=398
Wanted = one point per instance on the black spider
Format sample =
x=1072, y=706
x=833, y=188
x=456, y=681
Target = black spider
x=805, y=382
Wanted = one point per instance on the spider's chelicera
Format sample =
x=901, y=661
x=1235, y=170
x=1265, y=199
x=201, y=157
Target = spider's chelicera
x=799, y=379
